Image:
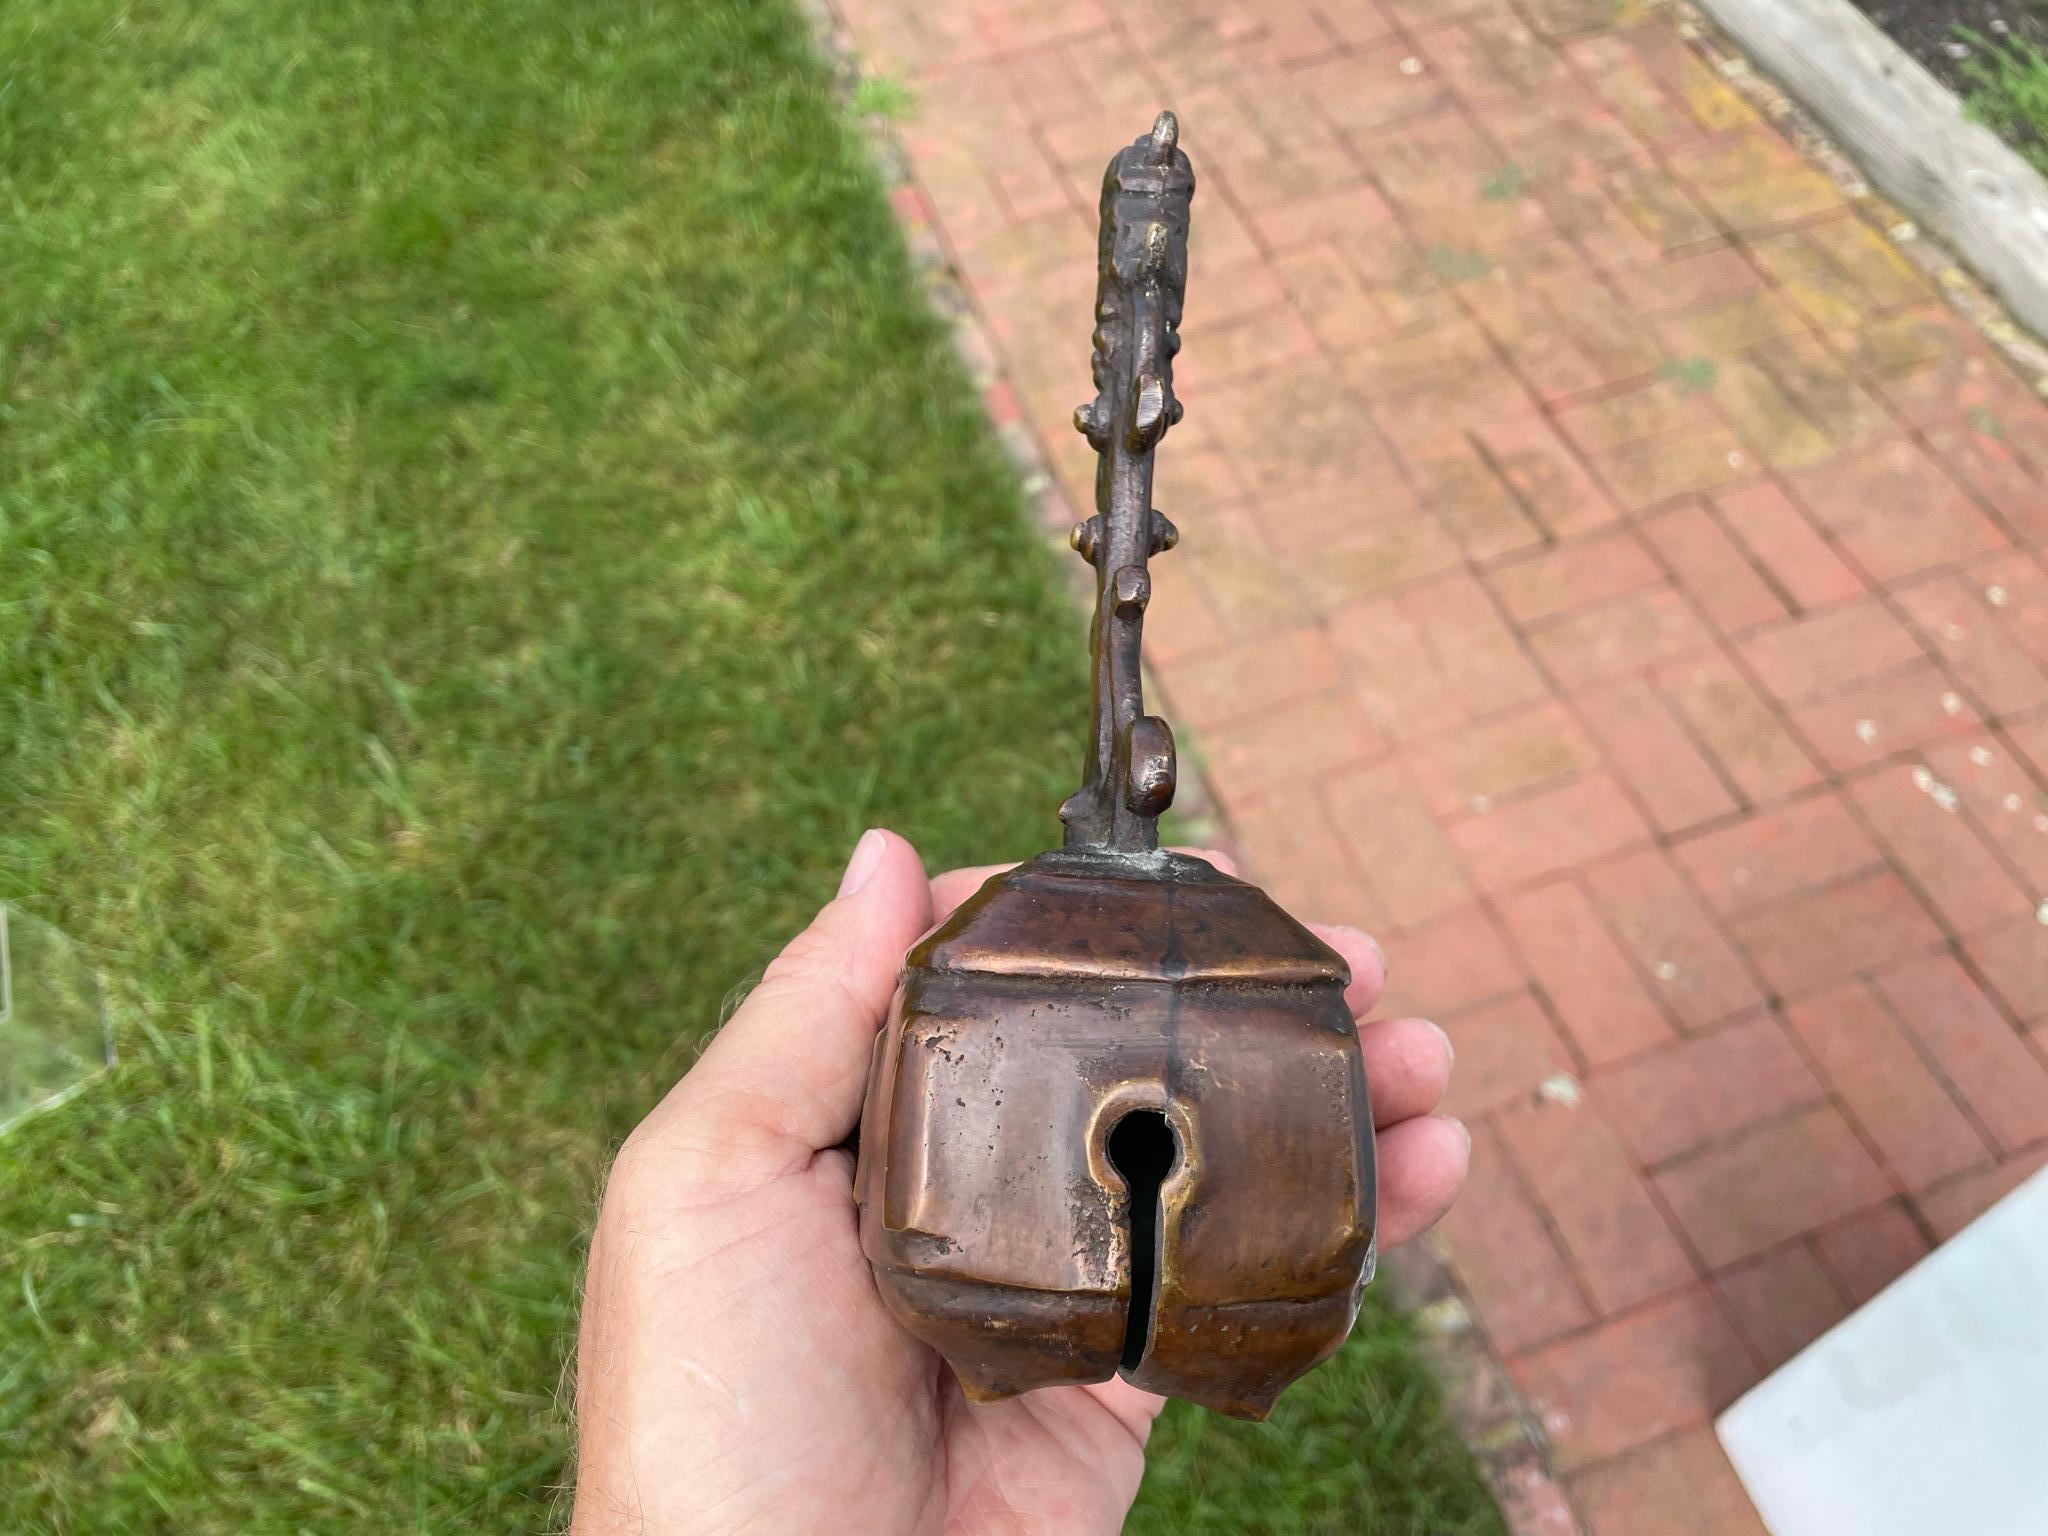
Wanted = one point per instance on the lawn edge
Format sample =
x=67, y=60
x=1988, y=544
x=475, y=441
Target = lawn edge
x=1480, y=1397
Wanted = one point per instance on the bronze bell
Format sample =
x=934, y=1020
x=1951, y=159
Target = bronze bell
x=1118, y=1118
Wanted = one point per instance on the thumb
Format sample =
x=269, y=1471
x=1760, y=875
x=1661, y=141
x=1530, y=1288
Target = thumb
x=785, y=1077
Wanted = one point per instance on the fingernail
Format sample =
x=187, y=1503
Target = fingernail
x=1463, y=1130
x=867, y=858
x=1450, y=1050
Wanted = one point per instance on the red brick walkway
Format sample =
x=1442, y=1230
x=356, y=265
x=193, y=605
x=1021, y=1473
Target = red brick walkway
x=1612, y=573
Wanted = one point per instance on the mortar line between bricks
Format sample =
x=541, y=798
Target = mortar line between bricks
x=1788, y=800
x=1630, y=1313
x=1829, y=1097
x=1878, y=865
x=1362, y=867
x=2035, y=467
x=1398, y=461
x=1991, y=717
x=1550, y=541
x=1963, y=568
x=1701, y=1283
x=1581, y=1063
x=1636, y=523
x=1735, y=1318
x=2035, y=1148
x=1523, y=794
x=1744, y=808
x=1478, y=1004
x=1367, y=182
x=1726, y=1024
x=1007, y=54
x=1850, y=1118
x=1583, y=1069
x=1686, y=1245
x=1486, y=898
x=1831, y=779
x=1683, y=1240
x=1526, y=1189
x=1648, y=1185
x=1993, y=1146
x=1348, y=855
x=1487, y=719
x=1711, y=506
x=1890, y=762
x=1068, y=194
x=1806, y=1239
x=1957, y=945
x=1738, y=793
x=1678, y=1162
x=1715, y=760
x=1663, y=1438
x=1908, y=1208
x=2036, y=1040
x=1837, y=689
x=1914, y=432
x=1839, y=781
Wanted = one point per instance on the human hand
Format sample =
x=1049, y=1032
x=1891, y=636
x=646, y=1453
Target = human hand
x=737, y=1371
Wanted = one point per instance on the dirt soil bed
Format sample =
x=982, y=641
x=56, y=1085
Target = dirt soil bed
x=1930, y=29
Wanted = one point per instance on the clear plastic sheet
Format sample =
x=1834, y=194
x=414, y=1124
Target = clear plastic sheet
x=54, y=1037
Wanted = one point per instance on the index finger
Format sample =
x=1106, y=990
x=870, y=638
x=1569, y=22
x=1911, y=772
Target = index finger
x=1368, y=964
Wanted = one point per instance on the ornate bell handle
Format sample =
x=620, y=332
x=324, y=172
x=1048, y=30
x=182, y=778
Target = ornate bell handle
x=1141, y=275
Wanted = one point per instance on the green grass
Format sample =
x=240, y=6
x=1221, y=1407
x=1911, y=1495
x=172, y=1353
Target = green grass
x=484, y=522
x=2009, y=94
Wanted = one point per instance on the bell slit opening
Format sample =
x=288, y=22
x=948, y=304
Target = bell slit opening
x=1142, y=1149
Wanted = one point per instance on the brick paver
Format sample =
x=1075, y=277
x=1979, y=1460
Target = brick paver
x=1613, y=572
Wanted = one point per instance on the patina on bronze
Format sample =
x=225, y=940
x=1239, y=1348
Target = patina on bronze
x=1118, y=1118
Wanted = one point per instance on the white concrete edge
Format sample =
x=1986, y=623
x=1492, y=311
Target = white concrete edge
x=1908, y=133
x=1926, y=1409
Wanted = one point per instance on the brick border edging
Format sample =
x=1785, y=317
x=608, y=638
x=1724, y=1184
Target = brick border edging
x=1491, y=1417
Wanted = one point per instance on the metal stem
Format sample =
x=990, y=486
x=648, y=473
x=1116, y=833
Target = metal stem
x=1141, y=264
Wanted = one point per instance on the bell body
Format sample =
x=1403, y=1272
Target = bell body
x=1118, y=1120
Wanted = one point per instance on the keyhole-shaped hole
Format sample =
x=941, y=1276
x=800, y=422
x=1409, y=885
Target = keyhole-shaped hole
x=1142, y=1149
